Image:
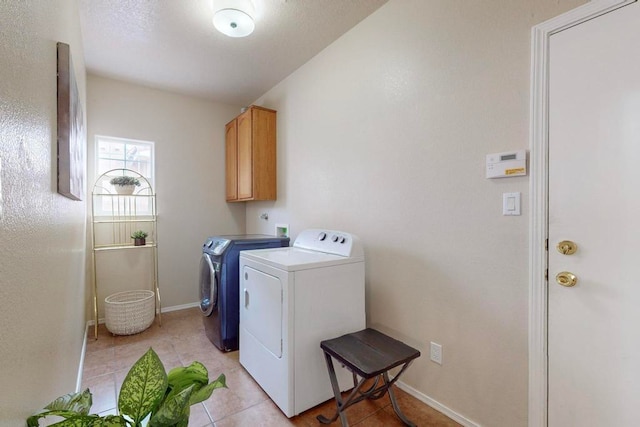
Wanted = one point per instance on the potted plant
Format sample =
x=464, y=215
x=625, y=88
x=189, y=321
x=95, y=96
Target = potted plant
x=139, y=238
x=147, y=394
x=125, y=184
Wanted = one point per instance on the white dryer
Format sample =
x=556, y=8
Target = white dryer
x=291, y=299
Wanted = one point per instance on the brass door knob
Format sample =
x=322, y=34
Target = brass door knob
x=567, y=247
x=566, y=279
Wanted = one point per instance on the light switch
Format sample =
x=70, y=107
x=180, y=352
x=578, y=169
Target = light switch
x=510, y=204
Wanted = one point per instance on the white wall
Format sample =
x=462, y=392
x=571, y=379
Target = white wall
x=42, y=233
x=189, y=148
x=384, y=134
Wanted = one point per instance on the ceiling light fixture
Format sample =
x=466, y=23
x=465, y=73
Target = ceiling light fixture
x=233, y=18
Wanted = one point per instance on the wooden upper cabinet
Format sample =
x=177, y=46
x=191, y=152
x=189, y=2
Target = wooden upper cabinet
x=231, y=154
x=245, y=153
x=251, y=156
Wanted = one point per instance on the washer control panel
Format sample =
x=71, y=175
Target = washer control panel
x=215, y=246
x=330, y=241
x=335, y=238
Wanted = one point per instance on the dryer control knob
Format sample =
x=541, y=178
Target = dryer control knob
x=343, y=239
x=334, y=238
x=322, y=236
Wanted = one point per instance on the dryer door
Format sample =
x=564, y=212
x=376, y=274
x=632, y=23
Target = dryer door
x=261, y=308
x=209, y=279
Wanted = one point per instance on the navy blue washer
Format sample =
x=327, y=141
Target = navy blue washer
x=219, y=284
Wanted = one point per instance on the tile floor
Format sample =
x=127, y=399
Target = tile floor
x=181, y=340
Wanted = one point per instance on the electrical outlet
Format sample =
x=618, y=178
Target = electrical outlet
x=436, y=353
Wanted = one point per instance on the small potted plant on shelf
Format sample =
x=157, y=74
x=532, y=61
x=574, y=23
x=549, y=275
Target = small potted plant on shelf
x=125, y=184
x=139, y=238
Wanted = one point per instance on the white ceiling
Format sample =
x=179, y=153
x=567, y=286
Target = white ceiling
x=172, y=44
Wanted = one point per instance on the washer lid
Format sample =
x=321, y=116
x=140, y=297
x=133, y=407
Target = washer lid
x=293, y=258
x=216, y=245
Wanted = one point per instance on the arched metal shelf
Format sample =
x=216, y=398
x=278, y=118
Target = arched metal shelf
x=114, y=217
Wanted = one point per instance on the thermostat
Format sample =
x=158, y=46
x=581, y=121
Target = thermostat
x=508, y=164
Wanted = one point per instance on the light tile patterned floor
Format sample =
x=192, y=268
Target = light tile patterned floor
x=181, y=340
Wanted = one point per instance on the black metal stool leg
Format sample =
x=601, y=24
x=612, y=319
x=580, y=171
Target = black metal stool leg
x=338, y=396
x=394, y=403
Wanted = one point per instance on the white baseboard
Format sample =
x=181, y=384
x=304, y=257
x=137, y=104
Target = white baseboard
x=81, y=364
x=437, y=405
x=180, y=307
x=164, y=310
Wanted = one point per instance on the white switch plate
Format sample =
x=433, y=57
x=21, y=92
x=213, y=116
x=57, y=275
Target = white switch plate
x=436, y=353
x=510, y=204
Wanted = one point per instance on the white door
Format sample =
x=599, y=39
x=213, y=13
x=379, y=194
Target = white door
x=594, y=201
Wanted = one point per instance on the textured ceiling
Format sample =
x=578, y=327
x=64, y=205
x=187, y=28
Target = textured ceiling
x=172, y=44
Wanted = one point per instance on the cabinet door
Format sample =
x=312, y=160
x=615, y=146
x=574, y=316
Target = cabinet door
x=245, y=156
x=264, y=154
x=231, y=156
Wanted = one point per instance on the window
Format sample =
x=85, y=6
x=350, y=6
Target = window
x=119, y=153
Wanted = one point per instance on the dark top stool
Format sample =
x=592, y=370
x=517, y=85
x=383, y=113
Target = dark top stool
x=367, y=354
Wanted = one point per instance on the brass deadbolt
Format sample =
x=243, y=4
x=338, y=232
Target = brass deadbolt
x=567, y=247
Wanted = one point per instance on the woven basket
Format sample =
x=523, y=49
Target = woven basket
x=129, y=312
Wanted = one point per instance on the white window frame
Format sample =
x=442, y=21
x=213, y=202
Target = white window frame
x=96, y=159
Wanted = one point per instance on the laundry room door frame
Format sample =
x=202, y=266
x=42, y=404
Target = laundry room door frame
x=538, y=225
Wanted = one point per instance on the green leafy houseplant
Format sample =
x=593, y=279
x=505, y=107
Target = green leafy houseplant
x=139, y=238
x=125, y=180
x=139, y=234
x=147, y=392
